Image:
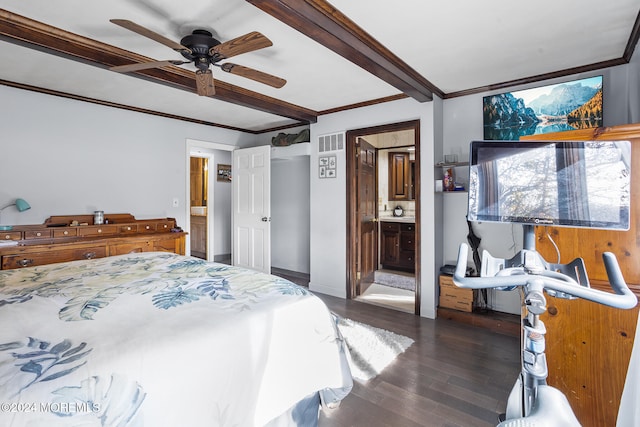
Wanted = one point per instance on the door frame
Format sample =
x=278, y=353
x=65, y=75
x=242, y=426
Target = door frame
x=209, y=156
x=352, y=238
x=198, y=148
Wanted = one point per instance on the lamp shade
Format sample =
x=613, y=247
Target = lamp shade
x=22, y=205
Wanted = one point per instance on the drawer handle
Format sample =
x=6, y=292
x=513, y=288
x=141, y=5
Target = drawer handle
x=89, y=255
x=65, y=232
x=147, y=227
x=39, y=234
x=99, y=230
x=7, y=236
x=25, y=262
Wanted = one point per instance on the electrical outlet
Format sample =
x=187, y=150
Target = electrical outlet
x=176, y=202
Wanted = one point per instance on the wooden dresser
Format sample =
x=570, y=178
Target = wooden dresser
x=589, y=345
x=58, y=241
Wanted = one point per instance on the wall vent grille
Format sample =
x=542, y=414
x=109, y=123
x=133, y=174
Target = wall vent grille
x=334, y=142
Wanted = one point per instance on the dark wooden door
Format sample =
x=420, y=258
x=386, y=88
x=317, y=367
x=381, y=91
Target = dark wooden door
x=390, y=248
x=367, y=205
x=399, y=175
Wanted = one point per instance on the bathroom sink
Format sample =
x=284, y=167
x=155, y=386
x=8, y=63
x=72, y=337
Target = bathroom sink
x=198, y=210
x=409, y=219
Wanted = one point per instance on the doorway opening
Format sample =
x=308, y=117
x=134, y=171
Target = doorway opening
x=383, y=215
x=216, y=213
x=199, y=194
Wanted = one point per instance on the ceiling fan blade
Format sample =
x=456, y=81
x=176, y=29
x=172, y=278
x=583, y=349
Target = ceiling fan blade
x=204, y=83
x=243, y=44
x=132, y=26
x=144, y=66
x=252, y=74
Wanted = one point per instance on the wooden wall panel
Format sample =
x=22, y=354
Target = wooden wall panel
x=589, y=345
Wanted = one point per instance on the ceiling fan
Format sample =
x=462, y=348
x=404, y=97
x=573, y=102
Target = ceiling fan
x=201, y=48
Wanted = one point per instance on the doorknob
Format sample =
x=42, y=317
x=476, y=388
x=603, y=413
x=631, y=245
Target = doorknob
x=266, y=219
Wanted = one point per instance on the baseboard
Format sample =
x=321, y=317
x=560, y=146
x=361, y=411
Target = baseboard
x=328, y=290
x=282, y=272
x=222, y=258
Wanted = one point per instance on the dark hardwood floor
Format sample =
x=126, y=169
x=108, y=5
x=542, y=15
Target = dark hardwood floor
x=454, y=375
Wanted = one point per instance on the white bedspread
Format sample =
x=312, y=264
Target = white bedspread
x=158, y=339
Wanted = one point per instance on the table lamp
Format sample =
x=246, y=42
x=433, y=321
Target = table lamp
x=21, y=205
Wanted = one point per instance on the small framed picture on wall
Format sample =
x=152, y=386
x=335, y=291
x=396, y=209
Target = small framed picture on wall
x=224, y=173
x=327, y=166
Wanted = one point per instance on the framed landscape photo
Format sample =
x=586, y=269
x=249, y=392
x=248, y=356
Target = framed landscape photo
x=553, y=108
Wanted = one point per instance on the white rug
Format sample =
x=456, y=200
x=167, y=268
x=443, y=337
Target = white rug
x=371, y=349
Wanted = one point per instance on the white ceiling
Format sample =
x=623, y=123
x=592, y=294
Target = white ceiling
x=457, y=45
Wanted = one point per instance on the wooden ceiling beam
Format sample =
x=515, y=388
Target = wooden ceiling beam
x=326, y=25
x=36, y=35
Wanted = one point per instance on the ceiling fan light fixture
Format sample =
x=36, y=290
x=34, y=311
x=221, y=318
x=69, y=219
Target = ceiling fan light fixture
x=201, y=48
x=199, y=42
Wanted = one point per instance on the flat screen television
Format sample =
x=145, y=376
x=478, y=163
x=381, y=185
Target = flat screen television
x=559, y=183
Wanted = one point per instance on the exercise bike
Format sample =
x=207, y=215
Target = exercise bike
x=532, y=402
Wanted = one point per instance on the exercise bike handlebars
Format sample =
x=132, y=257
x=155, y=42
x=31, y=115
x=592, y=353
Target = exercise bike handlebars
x=551, y=280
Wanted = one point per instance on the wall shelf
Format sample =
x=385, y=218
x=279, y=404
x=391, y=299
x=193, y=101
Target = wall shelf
x=290, y=151
x=443, y=165
x=455, y=165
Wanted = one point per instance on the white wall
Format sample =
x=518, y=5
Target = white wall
x=69, y=157
x=328, y=196
x=221, y=206
x=463, y=124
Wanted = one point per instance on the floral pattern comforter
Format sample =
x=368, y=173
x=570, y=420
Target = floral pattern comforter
x=159, y=339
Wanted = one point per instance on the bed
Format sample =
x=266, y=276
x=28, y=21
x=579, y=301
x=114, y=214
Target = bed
x=159, y=339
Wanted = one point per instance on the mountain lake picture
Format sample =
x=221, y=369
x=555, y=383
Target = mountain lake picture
x=553, y=108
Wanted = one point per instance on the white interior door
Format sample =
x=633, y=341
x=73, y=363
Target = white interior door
x=251, y=223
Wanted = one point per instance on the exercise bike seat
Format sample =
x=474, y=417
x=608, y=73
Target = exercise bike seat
x=551, y=409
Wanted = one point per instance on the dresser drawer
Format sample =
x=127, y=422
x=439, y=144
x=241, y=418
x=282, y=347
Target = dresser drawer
x=390, y=226
x=407, y=241
x=164, y=225
x=149, y=227
x=37, y=234
x=130, y=248
x=408, y=227
x=10, y=235
x=407, y=259
x=65, y=232
x=42, y=258
x=97, y=230
x=128, y=228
